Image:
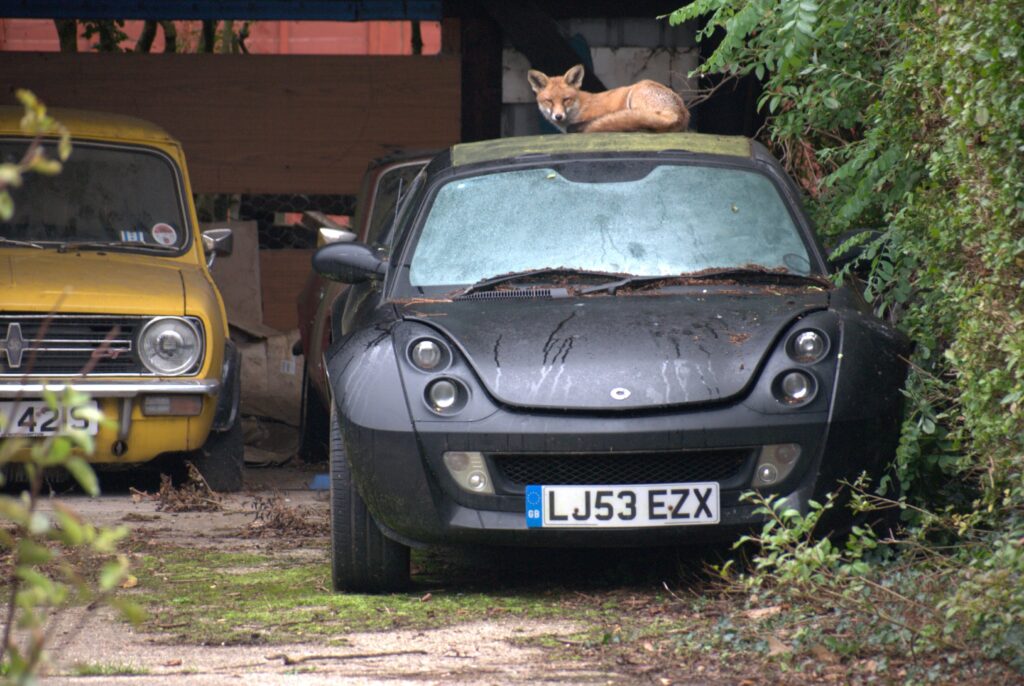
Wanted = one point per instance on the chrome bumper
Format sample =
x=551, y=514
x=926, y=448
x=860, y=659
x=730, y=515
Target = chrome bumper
x=114, y=389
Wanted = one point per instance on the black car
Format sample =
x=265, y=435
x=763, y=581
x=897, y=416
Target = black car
x=594, y=340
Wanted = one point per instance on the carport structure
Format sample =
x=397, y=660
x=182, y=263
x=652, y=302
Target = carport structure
x=276, y=130
x=310, y=123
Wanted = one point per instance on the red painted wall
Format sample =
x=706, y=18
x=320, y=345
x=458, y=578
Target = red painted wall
x=265, y=37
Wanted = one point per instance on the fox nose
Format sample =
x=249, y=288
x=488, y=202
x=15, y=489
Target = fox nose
x=559, y=116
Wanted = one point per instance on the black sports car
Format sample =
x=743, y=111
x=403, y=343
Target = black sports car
x=594, y=340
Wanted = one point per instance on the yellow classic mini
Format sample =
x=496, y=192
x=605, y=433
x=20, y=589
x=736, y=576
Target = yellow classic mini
x=104, y=286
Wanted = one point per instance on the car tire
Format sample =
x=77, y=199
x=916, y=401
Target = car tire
x=221, y=460
x=313, y=424
x=364, y=560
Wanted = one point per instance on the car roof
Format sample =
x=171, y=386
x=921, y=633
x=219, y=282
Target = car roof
x=508, y=148
x=89, y=124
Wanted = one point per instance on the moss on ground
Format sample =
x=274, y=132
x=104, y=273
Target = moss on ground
x=215, y=597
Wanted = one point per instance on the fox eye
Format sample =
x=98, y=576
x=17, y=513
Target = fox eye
x=548, y=103
x=567, y=102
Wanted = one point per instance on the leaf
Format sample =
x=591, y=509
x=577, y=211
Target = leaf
x=777, y=647
x=131, y=611
x=84, y=475
x=32, y=553
x=112, y=574
x=6, y=206
x=70, y=531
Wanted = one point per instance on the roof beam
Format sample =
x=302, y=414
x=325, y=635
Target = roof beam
x=336, y=10
x=534, y=33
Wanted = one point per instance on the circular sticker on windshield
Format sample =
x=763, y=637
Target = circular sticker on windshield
x=164, y=234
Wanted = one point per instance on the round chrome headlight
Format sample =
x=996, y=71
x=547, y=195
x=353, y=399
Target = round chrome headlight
x=443, y=394
x=169, y=345
x=427, y=354
x=808, y=346
x=795, y=387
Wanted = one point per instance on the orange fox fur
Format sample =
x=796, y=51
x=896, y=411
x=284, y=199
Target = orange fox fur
x=644, y=106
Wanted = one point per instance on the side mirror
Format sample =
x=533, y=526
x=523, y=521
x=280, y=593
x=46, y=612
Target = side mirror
x=349, y=263
x=849, y=250
x=217, y=242
x=326, y=235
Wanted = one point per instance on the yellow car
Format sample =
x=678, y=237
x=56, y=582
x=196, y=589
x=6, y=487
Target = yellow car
x=104, y=286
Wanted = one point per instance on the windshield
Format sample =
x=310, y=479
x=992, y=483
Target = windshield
x=104, y=195
x=617, y=217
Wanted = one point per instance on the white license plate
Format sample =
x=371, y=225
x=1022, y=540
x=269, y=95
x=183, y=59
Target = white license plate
x=622, y=506
x=36, y=418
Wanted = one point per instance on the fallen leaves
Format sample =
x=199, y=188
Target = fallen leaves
x=195, y=495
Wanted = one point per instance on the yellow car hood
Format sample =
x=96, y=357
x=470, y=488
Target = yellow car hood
x=90, y=283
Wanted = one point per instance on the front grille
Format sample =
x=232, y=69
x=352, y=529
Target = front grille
x=68, y=345
x=519, y=470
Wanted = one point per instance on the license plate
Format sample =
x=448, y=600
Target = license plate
x=36, y=418
x=622, y=506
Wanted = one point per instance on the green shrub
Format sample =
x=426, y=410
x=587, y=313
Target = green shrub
x=907, y=116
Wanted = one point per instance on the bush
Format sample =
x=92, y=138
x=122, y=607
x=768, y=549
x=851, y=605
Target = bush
x=906, y=116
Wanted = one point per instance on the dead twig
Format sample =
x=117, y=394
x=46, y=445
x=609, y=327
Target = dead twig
x=289, y=660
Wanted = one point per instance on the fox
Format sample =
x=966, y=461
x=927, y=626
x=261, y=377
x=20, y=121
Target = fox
x=643, y=106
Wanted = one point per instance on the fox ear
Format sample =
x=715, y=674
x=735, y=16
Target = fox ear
x=538, y=80
x=574, y=77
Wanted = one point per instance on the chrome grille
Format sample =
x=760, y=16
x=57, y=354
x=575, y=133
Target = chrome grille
x=68, y=345
x=520, y=470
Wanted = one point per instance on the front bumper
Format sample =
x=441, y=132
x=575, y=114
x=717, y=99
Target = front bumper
x=136, y=437
x=402, y=478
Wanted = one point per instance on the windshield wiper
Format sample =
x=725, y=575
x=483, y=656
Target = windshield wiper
x=100, y=245
x=527, y=273
x=736, y=274
x=20, y=244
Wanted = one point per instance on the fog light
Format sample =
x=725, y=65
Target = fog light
x=469, y=471
x=775, y=463
x=767, y=474
x=427, y=355
x=172, y=405
x=443, y=394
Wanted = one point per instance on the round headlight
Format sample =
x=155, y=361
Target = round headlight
x=443, y=394
x=796, y=387
x=427, y=354
x=169, y=345
x=808, y=346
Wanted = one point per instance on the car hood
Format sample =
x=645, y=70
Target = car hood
x=617, y=352
x=90, y=283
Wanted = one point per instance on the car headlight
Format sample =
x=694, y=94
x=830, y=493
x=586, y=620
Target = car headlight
x=807, y=346
x=443, y=394
x=446, y=396
x=795, y=387
x=170, y=345
x=428, y=354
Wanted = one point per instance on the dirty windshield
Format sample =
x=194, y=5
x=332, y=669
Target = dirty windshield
x=615, y=217
x=120, y=198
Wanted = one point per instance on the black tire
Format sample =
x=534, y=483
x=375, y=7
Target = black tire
x=364, y=560
x=222, y=458
x=313, y=425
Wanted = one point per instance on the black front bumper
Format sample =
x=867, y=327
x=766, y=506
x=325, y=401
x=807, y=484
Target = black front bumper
x=402, y=478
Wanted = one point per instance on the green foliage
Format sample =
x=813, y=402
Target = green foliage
x=48, y=550
x=37, y=124
x=906, y=116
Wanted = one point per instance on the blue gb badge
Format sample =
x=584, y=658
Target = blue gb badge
x=534, y=507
